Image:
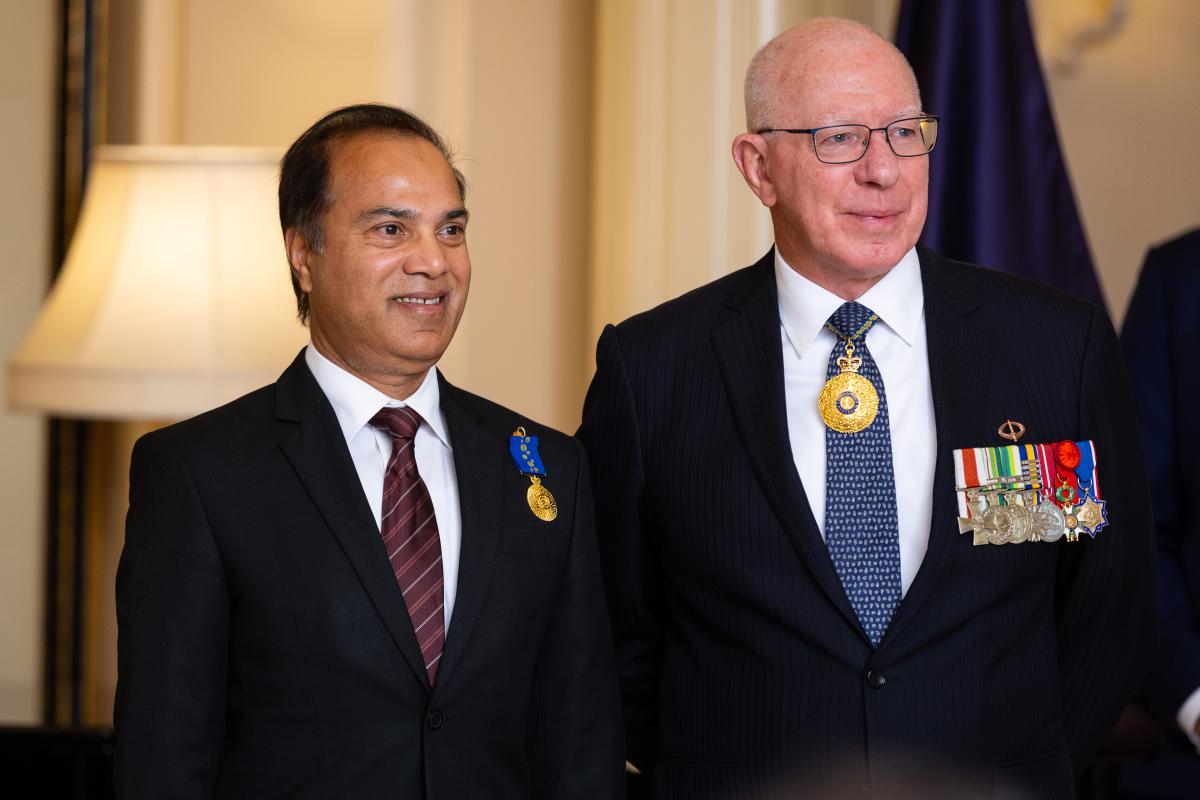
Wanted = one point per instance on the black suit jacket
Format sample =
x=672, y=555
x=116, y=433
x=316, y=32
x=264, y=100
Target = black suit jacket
x=1161, y=337
x=743, y=666
x=265, y=650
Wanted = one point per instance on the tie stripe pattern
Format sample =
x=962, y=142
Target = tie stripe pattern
x=861, y=524
x=410, y=535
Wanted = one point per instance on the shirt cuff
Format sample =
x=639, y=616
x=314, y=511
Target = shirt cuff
x=1187, y=715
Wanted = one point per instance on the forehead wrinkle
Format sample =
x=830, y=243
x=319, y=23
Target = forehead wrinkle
x=906, y=112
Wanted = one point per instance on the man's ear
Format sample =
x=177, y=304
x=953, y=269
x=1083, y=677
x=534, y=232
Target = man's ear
x=299, y=255
x=750, y=155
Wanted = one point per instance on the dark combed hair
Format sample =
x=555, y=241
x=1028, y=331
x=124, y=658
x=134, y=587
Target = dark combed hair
x=304, y=171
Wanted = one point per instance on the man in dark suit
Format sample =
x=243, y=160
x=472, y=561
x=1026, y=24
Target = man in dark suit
x=355, y=583
x=1161, y=337
x=794, y=605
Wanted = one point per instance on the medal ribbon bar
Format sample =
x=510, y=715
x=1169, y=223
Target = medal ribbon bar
x=1029, y=492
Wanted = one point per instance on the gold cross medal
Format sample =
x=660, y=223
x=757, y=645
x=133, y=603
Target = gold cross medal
x=848, y=402
x=524, y=451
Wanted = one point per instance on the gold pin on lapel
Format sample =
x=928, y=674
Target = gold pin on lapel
x=1011, y=430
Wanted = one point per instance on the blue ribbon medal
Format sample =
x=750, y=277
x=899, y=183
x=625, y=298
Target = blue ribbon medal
x=1092, y=512
x=524, y=451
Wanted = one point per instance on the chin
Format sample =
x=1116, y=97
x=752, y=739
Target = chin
x=419, y=352
x=875, y=260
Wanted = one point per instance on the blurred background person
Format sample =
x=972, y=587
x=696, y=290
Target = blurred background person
x=1161, y=339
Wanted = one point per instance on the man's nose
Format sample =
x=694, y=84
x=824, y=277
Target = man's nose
x=879, y=165
x=426, y=257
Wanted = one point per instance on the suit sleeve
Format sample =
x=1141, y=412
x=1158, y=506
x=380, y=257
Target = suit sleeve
x=172, y=619
x=628, y=546
x=1106, y=593
x=577, y=697
x=1148, y=342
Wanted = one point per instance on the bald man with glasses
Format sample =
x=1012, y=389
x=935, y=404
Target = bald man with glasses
x=871, y=520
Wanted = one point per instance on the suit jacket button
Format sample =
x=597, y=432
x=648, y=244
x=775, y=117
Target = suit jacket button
x=434, y=720
x=875, y=680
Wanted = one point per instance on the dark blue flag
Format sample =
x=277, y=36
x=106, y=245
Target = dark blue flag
x=999, y=194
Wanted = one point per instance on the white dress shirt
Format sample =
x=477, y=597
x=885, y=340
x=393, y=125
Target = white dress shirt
x=1187, y=717
x=355, y=402
x=897, y=343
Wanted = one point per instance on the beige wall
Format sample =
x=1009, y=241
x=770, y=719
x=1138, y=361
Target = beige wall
x=527, y=157
x=27, y=53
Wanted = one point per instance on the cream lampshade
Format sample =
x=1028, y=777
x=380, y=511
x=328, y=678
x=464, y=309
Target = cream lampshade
x=174, y=297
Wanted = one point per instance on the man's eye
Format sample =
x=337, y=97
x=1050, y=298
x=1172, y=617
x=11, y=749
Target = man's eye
x=839, y=137
x=391, y=229
x=454, y=230
x=903, y=133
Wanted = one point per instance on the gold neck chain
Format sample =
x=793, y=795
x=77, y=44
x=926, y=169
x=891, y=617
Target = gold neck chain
x=871, y=320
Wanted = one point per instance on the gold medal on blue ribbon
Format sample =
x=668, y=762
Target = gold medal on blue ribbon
x=848, y=402
x=524, y=451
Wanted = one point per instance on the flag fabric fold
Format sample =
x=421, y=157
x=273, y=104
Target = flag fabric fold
x=999, y=192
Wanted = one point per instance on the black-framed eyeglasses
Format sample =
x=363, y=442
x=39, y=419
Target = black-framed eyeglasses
x=843, y=144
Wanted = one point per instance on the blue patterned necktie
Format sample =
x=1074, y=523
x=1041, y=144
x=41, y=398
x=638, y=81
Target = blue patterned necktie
x=861, y=528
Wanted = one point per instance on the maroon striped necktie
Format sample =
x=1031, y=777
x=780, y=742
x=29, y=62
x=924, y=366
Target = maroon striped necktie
x=410, y=534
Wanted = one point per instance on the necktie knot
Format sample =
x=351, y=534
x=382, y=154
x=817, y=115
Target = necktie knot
x=852, y=320
x=400, y=422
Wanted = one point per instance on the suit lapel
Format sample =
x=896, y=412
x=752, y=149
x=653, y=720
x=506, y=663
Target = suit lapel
x=480, y=458
x=749, y=352
x=956, y=348
x=317, y=451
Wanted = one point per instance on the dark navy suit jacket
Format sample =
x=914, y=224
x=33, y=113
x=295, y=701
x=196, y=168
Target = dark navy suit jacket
x=744, y=669
x=1161, y=337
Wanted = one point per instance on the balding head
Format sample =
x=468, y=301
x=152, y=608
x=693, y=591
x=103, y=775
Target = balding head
x=841, y=224
x=793, y=54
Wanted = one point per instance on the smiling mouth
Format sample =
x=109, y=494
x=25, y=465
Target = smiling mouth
x=876, y=218
x=420, y=301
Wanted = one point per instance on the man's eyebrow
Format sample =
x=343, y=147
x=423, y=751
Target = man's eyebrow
x=387, y=211
x=408, y=213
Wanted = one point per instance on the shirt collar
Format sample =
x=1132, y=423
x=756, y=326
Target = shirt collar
x=355, y=401
x=804, y=307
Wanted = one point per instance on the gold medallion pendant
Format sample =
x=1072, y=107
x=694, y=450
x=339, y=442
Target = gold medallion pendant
x=848, y=402
x=541, y=502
